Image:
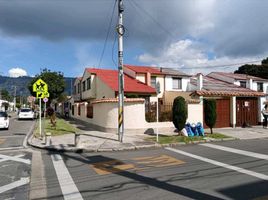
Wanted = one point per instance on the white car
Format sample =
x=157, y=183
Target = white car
x=26, y=113
x=4, y=120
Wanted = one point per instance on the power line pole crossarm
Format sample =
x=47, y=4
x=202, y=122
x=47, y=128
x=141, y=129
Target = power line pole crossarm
x=120, y=31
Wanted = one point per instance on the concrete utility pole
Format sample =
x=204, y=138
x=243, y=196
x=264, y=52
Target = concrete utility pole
x=120, y=31
x=15, y=94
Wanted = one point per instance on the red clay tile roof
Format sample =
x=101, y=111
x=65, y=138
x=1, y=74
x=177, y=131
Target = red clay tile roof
x=114, y=100
x=131, y=85
x=228, y=93
x=144, y=69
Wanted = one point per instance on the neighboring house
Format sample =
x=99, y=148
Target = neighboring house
x=246, y=81
x=171, y=82
x=236, y=105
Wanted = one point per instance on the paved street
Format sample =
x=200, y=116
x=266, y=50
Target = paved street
x=15, y=161
x=226, y=170
x=235, y=169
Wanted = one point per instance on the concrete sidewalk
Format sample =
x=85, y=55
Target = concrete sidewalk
x=91, y=140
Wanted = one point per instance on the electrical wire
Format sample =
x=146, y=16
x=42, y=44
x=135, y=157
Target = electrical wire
x=107, y=35
x=135, y=4
x=221, y=66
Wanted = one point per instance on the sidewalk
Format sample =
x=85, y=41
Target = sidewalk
x=96, y=141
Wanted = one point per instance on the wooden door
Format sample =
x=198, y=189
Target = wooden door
x=246, y=111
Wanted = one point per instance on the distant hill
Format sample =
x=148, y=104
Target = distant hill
x=22, y=82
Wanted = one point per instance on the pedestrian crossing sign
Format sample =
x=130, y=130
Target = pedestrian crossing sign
x=40, y=86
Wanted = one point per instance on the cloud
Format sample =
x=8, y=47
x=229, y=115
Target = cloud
x=191, y=56
x=17, y=72
x=230, y=29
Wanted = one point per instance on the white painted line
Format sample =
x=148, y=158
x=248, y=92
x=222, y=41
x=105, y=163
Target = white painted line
x=214, y=162
x=68, y=187
x=13, y=158
x=237, y=151
x=5, y=159
x=22, y=181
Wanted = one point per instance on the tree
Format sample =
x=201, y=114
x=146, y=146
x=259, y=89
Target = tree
x=179, y=113
x=255, y=70
x=5, y=95
x=54, y=80
x=210, y=113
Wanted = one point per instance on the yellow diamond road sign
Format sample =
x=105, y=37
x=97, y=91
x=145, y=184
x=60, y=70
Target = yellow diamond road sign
x=40, y=86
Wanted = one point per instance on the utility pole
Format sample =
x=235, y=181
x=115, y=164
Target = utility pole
x=120, y=30
x=15, y=94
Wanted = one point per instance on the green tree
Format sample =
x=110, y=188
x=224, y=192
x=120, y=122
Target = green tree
x=5, y=95
x=210, y=113
x=255, y=70
x=179, y=113
x=54, y=80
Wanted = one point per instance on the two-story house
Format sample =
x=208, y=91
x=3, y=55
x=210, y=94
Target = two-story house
x=170, y=82
x=103, y=83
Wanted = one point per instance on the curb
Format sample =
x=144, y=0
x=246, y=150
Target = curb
x=150, y=146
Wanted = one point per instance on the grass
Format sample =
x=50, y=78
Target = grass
x=62, y=127
x=164, y=139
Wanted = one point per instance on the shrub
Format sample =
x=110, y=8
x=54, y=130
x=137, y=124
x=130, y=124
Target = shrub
x=179, y=113
x=210, y=113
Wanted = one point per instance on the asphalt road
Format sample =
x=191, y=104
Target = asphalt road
x=207, y=171
x=15, y=161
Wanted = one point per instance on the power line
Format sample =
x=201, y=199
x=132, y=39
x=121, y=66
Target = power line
x=107, y=34
x=221, y=66
x=133, y=3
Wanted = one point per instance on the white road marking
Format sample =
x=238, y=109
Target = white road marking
x=214, y=162
x=5, y=159
x=237, y=151
x=22, y=181
x=68, y=187
x=13, y=158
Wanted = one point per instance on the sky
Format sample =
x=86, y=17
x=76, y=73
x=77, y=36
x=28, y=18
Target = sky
x=192, y=36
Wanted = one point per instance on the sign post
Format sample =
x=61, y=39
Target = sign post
x=157, y=111
x=41, y=89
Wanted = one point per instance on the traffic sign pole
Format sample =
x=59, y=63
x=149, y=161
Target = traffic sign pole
x=40, y=113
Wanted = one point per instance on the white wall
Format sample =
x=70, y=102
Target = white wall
x=195, y=113
x=105, y=115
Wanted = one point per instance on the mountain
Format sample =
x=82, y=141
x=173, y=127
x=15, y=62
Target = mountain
x=20, y=85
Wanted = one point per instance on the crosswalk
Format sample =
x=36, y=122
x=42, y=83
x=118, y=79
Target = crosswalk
x=18, y=161
x=71, y=187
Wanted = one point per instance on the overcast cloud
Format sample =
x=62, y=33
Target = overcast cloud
x=178, y=33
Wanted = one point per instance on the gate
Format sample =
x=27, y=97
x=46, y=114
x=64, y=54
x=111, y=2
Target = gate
x=246, y=111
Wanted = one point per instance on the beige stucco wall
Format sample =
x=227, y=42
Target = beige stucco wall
x=106, y=115
x=141, y=77
x=103, y=90
x=89, y=94
x=195, y=113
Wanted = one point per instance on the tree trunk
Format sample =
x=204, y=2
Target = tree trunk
x=211, y=131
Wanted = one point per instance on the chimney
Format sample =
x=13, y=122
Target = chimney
x=250, y=84
x=148, y=78
x=199, y=81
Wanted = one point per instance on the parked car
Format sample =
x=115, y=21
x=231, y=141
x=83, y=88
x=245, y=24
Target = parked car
x=4, y=120
x=26, y=113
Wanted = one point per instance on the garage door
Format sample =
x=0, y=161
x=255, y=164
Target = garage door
x=223, y=113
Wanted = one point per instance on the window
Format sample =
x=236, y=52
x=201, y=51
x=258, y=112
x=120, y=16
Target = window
x=243, y=84
x=84, y=86
x=88, y=83
x=78, y=88
x=74, y=89
x=153, y=81
x=260, y=87
x=176, y=83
